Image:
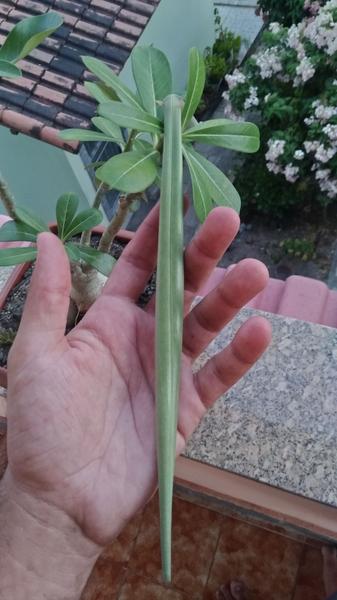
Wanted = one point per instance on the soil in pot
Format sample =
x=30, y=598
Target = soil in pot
x=11, y=313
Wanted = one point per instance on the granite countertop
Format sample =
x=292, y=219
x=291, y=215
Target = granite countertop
x=279, y=424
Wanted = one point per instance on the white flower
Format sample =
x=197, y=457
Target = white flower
x=266, y=98
x=252, y=99
x=268, y=62
x=273, y=168
x=324, y=154
x=299, y=154
x=305, y=69
x=324, y=113
x=291, y=173
x=234, y=79
x=275, y=149
x=293, y=37
x=330, y=131
x=311, y=146
x=322, y=174
x=309, y=120
x=275, y=27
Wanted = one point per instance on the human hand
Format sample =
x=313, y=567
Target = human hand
x=81, y=407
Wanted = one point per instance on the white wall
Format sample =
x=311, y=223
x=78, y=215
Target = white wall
x=175, y=27
x=38, y=173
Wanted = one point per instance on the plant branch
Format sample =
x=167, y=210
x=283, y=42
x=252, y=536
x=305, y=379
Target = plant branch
x=86, y=235
x=124, y=203
x=7, y=198
x=131, y=137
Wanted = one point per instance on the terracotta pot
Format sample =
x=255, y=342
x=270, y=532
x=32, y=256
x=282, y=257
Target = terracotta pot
x=19, y=271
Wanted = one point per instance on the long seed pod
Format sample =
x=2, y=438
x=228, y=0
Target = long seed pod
x=169, y=317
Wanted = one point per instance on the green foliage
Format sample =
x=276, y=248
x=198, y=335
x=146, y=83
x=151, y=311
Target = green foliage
x=152, y=74
x=291, y=80
x=101, y=261
x=23, y=38
x=286, y=12
x=130, y=172
x=300, y=248
x=195, y=86
x=220, y=59
x=17, y=232
x=7, y=337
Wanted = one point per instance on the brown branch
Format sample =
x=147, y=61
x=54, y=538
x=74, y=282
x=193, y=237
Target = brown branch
x=117, y=221
x=7, y=198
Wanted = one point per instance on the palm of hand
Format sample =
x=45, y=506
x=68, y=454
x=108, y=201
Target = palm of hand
x=82, y=408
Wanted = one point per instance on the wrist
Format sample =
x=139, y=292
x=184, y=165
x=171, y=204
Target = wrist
x=43, y=552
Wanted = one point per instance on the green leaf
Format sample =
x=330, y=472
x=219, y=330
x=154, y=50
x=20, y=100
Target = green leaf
x=12, y=231
x=129, y=172
x=105, y=74
x=212, y=180
x=127, y=116
x=109, y=128
x=142, y=145
x=72, y=251
x=28, y=34
x=235, y=135
x=100, y=91
x=152, y=74
x=31, y=220
x=195, y=85
x=16, y=256
x=84, y=135
x=85, y=220
x=7, y=69
x=102, y=261
x=66, y=208
x=202, y=200
x=169, y=318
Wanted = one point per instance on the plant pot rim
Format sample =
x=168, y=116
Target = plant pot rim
x=17, y=275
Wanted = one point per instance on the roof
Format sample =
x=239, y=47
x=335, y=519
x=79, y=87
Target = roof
x=50, y=95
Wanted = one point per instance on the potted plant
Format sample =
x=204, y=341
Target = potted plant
x=156, y=132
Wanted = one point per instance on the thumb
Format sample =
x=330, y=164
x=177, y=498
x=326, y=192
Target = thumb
x=45, y=313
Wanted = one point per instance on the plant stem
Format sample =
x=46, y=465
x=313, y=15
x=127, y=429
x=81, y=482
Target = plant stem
x=7, y=198
x=169, y=312
x=132, y=136
x=124, y=203
x=86, y=235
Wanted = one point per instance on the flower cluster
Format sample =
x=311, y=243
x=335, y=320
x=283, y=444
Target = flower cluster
x=291, y=80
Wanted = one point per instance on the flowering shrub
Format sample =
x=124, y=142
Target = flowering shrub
x=292, y=82
x=287, y=12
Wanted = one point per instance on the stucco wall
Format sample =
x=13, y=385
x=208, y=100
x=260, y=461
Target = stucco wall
x=175, y=27
x=38, y=173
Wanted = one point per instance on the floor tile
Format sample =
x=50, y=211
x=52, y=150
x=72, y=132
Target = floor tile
x=266, y=562
x=195, y=535
x=139, y=588
x=310, y=576
x=110, y=570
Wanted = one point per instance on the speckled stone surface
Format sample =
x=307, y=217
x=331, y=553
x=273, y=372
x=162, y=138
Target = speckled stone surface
x=4, y=275
x=279, y=424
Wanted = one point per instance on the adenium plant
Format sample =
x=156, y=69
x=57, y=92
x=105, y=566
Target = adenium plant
x=156, y=131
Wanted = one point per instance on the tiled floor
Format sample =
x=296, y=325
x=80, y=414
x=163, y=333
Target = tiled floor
x=208, y=549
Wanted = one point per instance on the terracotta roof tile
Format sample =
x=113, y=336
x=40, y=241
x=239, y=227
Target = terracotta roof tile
x=50, y=95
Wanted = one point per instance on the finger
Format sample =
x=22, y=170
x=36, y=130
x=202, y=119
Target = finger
x=226, y=368
x=237, y=288
x=137, y=262
x=205, y=250
x=45, y=313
